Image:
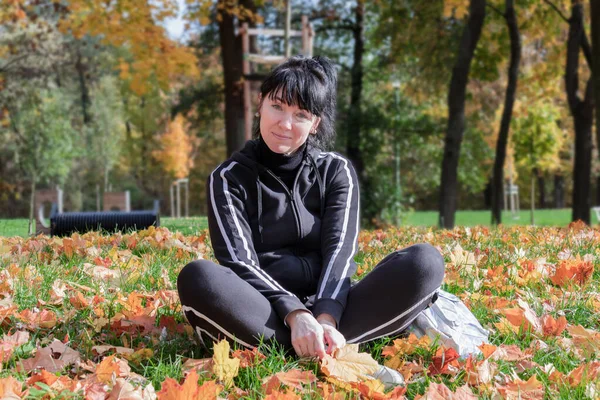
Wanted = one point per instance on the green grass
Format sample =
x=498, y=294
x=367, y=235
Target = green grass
x=560, y=217
x=193, y=225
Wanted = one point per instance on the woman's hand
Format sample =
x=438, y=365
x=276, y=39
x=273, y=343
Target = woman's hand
x=333, y=338
x=307, y=334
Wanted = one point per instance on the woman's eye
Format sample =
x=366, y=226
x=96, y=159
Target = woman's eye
x=277, y=107
x=302, y=116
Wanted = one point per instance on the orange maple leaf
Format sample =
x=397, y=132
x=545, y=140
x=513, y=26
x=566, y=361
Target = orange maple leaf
x=172, y=390
x=585, y=372
x=248, y=358
x=445, y=361
x=79, y=301
x=572, y=271
x=277, y=395
x=531, y=389
x=553, y=327
x=10, y=388
x=107, y=369
x=293, y=378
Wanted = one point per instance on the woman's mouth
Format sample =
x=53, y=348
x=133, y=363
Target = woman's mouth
x=279, y=136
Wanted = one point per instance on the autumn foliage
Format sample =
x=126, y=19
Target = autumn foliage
x=94, y=315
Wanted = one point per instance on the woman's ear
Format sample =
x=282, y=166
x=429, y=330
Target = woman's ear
x=315, y=126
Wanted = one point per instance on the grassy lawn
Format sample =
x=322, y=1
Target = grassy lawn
x=192, y=225
x=108, y=307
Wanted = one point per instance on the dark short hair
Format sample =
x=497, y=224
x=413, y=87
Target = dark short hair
x=309, y=83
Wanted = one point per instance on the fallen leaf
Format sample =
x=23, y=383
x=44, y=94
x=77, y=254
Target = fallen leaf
x=10, y=388
x=79, y=301
x=277, y=395
x=224, y=367
x=572, y=271
x=108, y=369
x=586, y=340
x=100, y=350
x=349, y=365
x=293, y=378
x=52, y=358
x=444, y=362
x=585, y=372
x=517, y=389
x=248, y=358
x=172, y=390
x=202, y=365
x=124, y=390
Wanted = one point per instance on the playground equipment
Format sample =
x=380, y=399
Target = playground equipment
x=65, y=224
x=43, y=197
x=185, y=182
x=511, y=192
x=113, y=201
x=249, y=92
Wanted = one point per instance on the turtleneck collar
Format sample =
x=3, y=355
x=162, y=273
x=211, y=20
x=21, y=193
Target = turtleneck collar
x=277, y=162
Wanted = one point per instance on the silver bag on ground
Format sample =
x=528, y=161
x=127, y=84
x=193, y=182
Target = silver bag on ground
x=450, y=322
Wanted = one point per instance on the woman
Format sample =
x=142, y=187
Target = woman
x=284, y=223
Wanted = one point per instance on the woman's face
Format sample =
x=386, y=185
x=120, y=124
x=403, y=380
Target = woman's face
x=283, y=127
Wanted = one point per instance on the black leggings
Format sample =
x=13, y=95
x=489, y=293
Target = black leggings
x=219, y=304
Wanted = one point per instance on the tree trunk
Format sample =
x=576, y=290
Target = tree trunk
x=456, y=112
x=582, y=112
x=355, y=113
x=231, y=53
x=509, y=100
x=353, y=144
x=559, y=191
x=85, y=96
x=532, y=197
x=595, y=23
x=542, y=186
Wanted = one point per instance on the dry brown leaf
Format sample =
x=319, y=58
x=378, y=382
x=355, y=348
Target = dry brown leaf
x=108, y=369
x=52, y=358
x=100, y=350
x=480, y=373
x=510, y=352
x=224, y=367
x=293, y=378
x=277, y=395
x=124, y=390
x=517, y=389
x=248, y=358
x=10, y=389
x=200, y=366
x=586, y=340
x=585, y=372
x=487, y=349
x=79, y=301
x=10, y=342
x=553, y=327
x=437, y=391
x=349, y=365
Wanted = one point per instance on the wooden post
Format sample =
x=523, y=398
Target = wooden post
x=288, y=23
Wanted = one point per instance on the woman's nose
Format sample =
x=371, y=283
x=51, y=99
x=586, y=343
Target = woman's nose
x=286, y=121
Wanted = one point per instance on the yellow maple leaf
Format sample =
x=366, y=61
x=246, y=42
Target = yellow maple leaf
x=349, y=365
x=224, y=368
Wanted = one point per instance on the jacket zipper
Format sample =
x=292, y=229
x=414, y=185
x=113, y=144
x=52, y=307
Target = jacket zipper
x=292, y=201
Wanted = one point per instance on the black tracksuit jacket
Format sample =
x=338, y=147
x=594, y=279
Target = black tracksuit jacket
x=288, y=243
